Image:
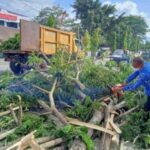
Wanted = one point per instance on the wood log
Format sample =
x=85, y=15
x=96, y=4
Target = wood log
x=51, y=98
x=35, y=146
x=113, y=125
x=52, y=107
x=120, y=105
x=9, y=144
x=78, y=145
x=41, y=89
x=59, y=148
x=25, y=142
x=45, y=106
x=46, y=59
x=60, y=116
x=53, y=143
x=13, y=114
x=44, y=139
x=8, y=111
x=128, y=112
x=20, y=116
x=80, y=94
x=115, y=142
x=97, y=144
x=53, y=111
x=97, y=118
x=6, y=133
x=106, y=138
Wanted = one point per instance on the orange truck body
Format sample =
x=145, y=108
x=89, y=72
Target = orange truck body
x=42, y=39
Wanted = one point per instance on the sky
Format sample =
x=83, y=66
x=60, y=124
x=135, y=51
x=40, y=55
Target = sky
x=31, y=8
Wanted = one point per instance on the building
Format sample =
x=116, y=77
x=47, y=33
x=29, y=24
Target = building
x=9, y=24
x=10, y=19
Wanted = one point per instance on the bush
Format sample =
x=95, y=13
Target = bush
x=11, y=44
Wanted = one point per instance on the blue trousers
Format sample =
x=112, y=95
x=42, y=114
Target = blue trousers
x=147, y=104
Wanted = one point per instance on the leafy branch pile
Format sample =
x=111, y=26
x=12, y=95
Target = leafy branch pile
x=57, y=104
x=11, y=44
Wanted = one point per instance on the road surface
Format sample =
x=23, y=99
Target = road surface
x=4, y=66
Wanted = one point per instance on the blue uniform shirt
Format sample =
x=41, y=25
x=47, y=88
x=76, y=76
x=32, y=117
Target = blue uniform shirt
x=143, y=79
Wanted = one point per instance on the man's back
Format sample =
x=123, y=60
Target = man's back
x=146, y=68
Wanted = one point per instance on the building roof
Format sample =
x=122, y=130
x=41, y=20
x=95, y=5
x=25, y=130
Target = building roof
x=18, y=14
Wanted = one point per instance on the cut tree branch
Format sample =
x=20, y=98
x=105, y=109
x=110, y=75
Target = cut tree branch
x=13, y=114
x=6, y=133
x=8, y=111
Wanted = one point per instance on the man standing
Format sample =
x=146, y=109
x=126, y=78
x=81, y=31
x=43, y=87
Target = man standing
x=142, y=74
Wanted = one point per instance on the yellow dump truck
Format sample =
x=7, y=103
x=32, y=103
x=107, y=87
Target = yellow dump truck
x=41, y=40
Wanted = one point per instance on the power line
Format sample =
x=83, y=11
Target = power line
x=27, y=4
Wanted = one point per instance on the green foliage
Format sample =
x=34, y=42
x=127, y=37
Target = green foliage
x=137, y=24
x=115, y=41
x=95, y=39
x=5, y=79
x=11, y=44
x=92, y=76
x=125, y=44
x=6, y=98
x=96, y=75
x=69, y=132
x=130, y=31
x=138, y=126
x=60, y=63
x=146, y=46
x=34, y=59
x=30, y=123
x=5, y=122
x=55, y=16
x=86, y=41
x=87, y=140
x=51, y=22
x=94, y=15
x=81, y=111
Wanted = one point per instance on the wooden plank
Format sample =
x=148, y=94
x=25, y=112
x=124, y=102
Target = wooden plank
x=89, y=125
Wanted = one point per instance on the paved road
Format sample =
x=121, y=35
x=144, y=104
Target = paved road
x=4, y=65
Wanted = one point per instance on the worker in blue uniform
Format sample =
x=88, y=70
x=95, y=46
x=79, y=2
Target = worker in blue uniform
x=142, y=76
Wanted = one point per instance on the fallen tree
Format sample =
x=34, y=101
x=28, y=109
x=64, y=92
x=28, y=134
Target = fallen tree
x=77, y=108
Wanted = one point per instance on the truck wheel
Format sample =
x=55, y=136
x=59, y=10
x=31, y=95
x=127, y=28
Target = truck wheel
x=16, y=68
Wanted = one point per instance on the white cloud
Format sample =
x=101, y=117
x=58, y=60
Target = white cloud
x=130, y=8
x=107, y=3
x=71, y=13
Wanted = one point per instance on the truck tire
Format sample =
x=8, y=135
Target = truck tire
x=16, y=68
x=17, y=65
